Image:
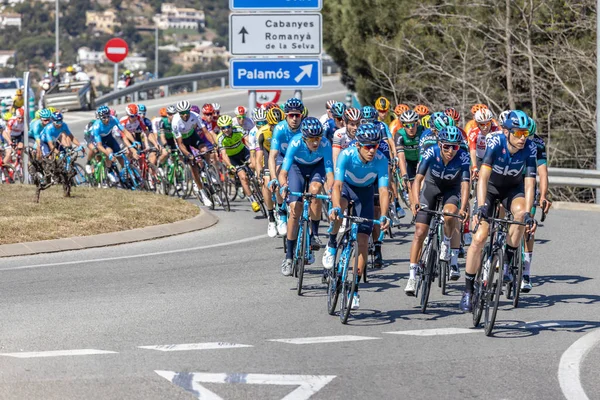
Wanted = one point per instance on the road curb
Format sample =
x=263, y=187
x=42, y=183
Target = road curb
x=563, y=205
x=203, y=220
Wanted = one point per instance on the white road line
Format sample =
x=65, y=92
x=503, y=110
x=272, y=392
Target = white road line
x=195, y=346
x=570, y=363
x=58, y=353
x=324, y=339
x=435, y=332
x=158, y=253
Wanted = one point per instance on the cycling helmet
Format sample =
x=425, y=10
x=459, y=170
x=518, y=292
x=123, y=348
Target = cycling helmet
x=216, y=106
x=502, y=116
x=450, y=134
x=329, y=104
x=142, y=109
x=516, y=119
x=305, y=112
x=20, y=112
x=338, y=110
x=435, y=115
x=409, y=116
x=275, y=116
x=425, y=121
x=52, y=109
x=452, y=113
x=6, y=116
x=19, y=92
x=224, y=120
x=368, y=134
x=208, y=109
x=382, y=104
x=442, y=121
x=422, y=110
x=195, y=109
x=171, y=110
x=45, y=113
x=131, y=110
x=369, y=113
x=183, y=106
x=478, y=107
x=400, y=108
x=532, y=127
x=311, y=127
x=240, y=110
x=162, y=112
x=269, y=105
x=352, y=114
x=293, y=104
x=57, y=117
x=102, y=111
x=483, y=115
x=259, y=115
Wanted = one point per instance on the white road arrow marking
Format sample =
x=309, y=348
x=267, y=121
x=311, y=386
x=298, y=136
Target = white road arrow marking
x=306, y=71
x=190, y=381
x=57, y=353
x=195, y=346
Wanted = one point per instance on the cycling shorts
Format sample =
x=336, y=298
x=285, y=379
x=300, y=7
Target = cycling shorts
x=193, y=141
x=240, y=158
x=297, y=174
x=429, y=195
x=16, y=139
x=411, y=169
x=171, y=143
x=110, y=142
x=363, y=204
x=505, y=195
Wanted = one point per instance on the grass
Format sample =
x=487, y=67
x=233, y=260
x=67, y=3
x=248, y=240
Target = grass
x=87, y=212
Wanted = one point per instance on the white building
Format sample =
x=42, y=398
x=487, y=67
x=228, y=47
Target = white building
x=9, y=20
x=136, y=62
x=172, y=17
x=86, y=56
x=6, y=55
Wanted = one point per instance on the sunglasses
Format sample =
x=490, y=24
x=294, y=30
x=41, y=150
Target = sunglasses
x=209, y=114
x=105, y=117
x=261, y=123
x=46, y=120
x=226, y=127
x=241, y=116
x=410, y=125
x=314, y=139
x=446, y=146
x=58, y=122
x=485, y=124
x=520, y=133
x=295, y=116
x=184, y=113
x=369, y=146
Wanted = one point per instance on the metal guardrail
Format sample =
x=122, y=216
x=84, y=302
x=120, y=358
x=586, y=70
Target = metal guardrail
x=584, y=178
x=329, y=67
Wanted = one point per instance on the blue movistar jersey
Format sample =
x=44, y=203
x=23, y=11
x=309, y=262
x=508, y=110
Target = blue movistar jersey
x=148, y=123
x=443, y=175
x=282, y=134
x=51, y=132
x=384, y=147
x=35, y=129
x=329, y=129
x=509, y=170
x=350, y=168
x=101, y=129
x=299, y=153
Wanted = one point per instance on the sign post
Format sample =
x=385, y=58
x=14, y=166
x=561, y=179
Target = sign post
x=25, y=154
x=275, y=5
x=116, y=50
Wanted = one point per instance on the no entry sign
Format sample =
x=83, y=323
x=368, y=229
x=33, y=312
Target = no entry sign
x=116, y=50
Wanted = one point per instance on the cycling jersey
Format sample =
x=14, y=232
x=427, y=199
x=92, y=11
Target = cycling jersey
x=351, y=168
x=299, y=153
x=409, y=145
x=15, y=127
x=245, y=123
x=101, y=130
x=51, y=132
x=388, y=119
x=395, y=126
x=210, y=125
x=443, y=175
x=282, y=134
x=87, y=132
x=233, y=144
x=329, y=129
x=165, y=128
x=477, y=139
x=18, y=102
x=35, y=129
x=264, y=137
x=428, y=139
x=185, y=129
x=155, y=124
x=324, y=118
x=341, y=140
x=507, y=169
x=135, y=126
x=252, y=143
x=542, y=157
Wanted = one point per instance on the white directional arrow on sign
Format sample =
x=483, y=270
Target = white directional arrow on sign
x=306, y=71
x=190, y=381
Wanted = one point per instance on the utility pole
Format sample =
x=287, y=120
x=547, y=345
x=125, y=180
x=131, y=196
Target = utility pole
x=56, y=11
x=156, y=51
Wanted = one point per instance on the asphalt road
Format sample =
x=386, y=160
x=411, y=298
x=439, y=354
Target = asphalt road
x=208, y=315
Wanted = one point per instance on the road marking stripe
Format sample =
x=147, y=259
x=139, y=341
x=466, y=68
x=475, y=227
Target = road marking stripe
x=324, y=339
x=58, y=353
x=570, y=363
x=158, y=253
x=195, y=346
x=435, y=332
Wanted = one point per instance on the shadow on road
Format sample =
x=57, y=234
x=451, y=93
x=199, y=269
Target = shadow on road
x=371, y=317
x=520, y=329
x=543, y=301
x=540, y=280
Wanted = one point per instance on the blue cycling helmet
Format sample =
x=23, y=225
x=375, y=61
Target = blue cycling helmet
x=369, y=113
x=368, y=133
x=293, y=105
x=57, y=116
x=142, y=109
x=532, y=127
x=442, y=121
x=45, y=114
x=103, y=111
x=338, y=109
x=311, y=127
x=450, y=134
x=516, y=119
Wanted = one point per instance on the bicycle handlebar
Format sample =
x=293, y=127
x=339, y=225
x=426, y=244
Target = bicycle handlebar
x=433, y=212
x=359, y=220
x=310, y=195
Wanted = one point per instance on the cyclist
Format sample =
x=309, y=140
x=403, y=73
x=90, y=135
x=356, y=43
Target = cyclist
x=162, y=113
x=102, y=132
x=18, y=101
x=542, y=170
x=344, y=136
x=407, y=149
x=422, y=110
x=429, y=136
x=185, y=126
x=135, y=124
x=484, y=125
x=282, y=134
x=444, y=172
x=209, y=122
x=360, y=171
x=36, y=126
x=396, y=124
x=242, y=120
x=472, y=123
x=507, y=174
x=57, y=131
x=327, y=116
x=13, y=134
x=336, y=122
x=382, y=105
x=152, y=136
x=259, y=117
x=308, y=156
x=167, y=138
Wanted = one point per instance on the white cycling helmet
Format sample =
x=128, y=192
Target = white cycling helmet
x=483, y=115
x=259, y=115
x=216, y=106
x=183, y=106
x=502, y=117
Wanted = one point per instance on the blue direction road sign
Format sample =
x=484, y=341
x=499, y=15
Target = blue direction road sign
x=282, y=5
x=278, y=73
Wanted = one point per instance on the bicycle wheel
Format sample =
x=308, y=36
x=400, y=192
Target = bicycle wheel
x=79, y=178
x=302, y=256
x=334, y=283
x=428, y=273
x=256, y=189
x=443, y=278
x=479, y=290
x=349, y=284
x=493, y=291
x=517, y=275
x=188, y=181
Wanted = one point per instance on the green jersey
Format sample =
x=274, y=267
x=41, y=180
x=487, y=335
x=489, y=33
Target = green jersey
x=409, y=145
x=165, y=128
x=233, y=144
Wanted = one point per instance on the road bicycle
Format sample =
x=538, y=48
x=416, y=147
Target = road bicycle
x=129, y=174
x=255, y=187
x=211, y=180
